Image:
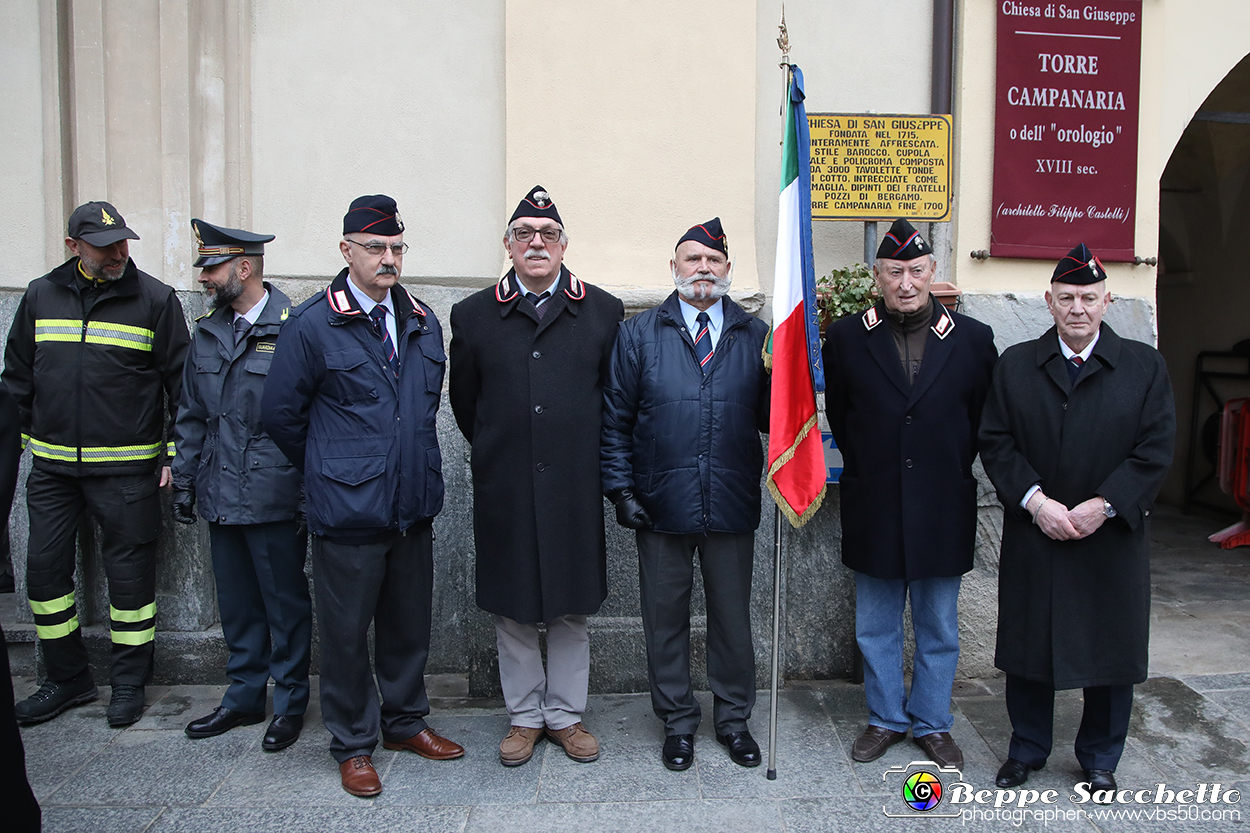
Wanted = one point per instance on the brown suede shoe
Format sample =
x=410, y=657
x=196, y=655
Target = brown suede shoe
x=578, y=744
x=873, y=742
x=428, y=744
x=359, y=777
x=518, y=747
x=941, y=749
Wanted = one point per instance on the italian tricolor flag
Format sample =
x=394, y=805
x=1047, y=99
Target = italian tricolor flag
x=796, y=460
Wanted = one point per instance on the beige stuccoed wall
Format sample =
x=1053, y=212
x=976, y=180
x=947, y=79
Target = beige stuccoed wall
x=639, y=118
x=1187, y=47
x=405, y=99
x=845, y=71
x=22, y=214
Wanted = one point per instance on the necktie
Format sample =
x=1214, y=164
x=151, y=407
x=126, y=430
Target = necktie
x=378, y=317
x=241, y=326
x=539, y=302
x=703, y=341
x=1074, y=368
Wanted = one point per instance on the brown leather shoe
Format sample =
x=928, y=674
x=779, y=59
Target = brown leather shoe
x=518, y=747
x=941, y=749
x=428, y=744
x=359, y=777
x=873, y=742
x=578, y=744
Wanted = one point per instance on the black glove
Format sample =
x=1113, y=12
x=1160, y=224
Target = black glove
x=629, y=512
x=182, y=506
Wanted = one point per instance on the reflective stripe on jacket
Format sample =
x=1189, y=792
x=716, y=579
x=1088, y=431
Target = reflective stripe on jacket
x=93, y=379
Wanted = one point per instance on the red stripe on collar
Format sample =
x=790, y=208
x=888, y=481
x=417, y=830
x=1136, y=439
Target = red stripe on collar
x=506, y=289
x=576, y=289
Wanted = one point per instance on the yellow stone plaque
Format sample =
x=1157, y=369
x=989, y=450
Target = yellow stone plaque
x=879, y=167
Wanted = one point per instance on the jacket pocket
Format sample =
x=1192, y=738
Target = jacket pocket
x=434, y=360
x=356, y=496
x=350, y=377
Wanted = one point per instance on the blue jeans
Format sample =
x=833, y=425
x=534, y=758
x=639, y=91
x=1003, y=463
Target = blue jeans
x=879, y=630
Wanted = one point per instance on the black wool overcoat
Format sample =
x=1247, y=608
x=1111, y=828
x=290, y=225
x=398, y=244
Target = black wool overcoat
x=1077, y=613
x=908, y=495
x=527, y=393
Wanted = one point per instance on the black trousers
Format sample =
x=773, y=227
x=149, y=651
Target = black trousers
x=128, y=511
x=266, y=613
x=666, y=579
x=388, y=583
x=1104, y=723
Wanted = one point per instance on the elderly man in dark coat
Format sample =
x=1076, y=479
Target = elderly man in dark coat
x=686, y=401
x=905, y=383
x=1077, y=437
x=529, y=356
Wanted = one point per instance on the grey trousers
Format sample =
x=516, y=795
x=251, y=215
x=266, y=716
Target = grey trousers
x=666, y=578
x=555, y=697
x=387, y=583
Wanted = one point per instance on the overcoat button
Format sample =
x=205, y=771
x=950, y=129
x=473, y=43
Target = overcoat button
x=538, y=409
x=1064, y=406
x=542, y=466
x=908, y=463
x=537, y=355
x=907, y=420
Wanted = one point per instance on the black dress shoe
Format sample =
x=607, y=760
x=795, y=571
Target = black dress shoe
x=221, y=721
x=742, y=748
x=282, y=732
x=1100, y=779
x=678, y=752
x=1013, y=773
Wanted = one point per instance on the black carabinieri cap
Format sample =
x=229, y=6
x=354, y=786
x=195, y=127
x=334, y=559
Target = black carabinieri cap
x=710, y=234
x=537, y=203
x=373, y=214
x=903, y=242
x=216, y=244
x=99, y=223
x=1079, y=267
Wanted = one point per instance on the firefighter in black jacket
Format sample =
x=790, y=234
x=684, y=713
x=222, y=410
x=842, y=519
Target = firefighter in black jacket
x=247, y=489
x=93, y=358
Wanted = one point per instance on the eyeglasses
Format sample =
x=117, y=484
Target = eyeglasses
x=524, y=234
x=376, y=249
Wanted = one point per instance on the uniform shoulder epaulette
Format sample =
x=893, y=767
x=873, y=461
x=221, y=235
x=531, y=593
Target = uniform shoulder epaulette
x=944, y=326
x=871, y=318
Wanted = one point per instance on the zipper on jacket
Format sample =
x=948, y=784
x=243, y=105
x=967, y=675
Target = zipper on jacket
x=82, y=349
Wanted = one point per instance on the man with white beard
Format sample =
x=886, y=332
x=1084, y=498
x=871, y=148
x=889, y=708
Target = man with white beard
x=685, y=403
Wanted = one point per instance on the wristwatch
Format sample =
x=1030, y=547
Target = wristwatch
x=1107, y=508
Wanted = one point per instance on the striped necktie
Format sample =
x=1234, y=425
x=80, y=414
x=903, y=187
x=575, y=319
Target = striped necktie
x=703, y=340
x=539, y=302
x=1074, y=368
x=378, y=316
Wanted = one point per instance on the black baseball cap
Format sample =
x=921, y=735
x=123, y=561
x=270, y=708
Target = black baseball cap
x=99, y=224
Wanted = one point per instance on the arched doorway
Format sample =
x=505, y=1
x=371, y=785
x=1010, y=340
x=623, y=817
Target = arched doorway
x=1204, y=279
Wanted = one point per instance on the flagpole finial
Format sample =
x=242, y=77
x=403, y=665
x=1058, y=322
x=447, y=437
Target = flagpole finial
x=783, y=39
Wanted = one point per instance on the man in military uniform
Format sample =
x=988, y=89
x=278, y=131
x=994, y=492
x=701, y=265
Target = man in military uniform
x=528, y=360
x=94, y=354
x=905, y=382
x=247, y=490
x=685, y=403
x=351, y=399
x=1077, y=438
